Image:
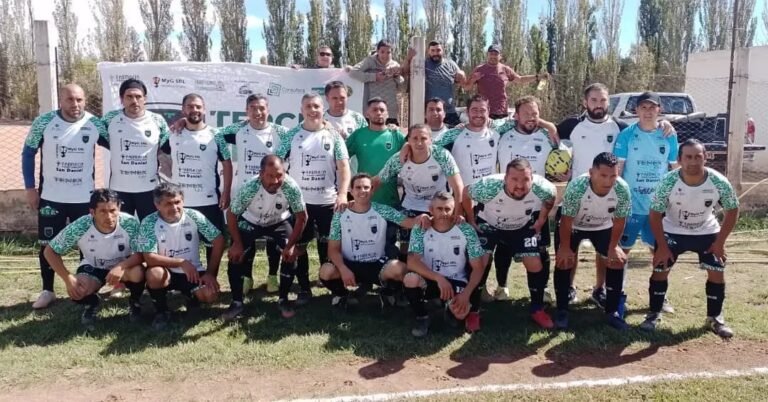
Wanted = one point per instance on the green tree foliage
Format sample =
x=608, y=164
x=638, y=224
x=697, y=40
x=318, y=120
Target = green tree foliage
x=195, y=37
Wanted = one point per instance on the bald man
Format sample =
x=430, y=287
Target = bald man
x=67, y=140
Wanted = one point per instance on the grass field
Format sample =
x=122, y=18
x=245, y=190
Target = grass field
x=49, y=353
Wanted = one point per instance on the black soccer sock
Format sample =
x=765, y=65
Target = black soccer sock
x=390, y=288
x=287, y=273
x=302, y=272
x=46, y=272
x=136, y=289
x=273, y=257
x=159, y=298
x=235, y=277
x=336, y=286
x=92, y=300
x=562, y=288
x=416, y=299
x=657, y=290
x=715, y=298
x=503, y=260
x=614, y=283
x=546, y=264
x=536, y=282
x=474, y=301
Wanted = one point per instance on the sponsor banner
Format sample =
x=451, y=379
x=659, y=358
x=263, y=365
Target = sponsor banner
x=225, y=87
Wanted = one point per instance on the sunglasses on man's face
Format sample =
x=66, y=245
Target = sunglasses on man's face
x=326, y=54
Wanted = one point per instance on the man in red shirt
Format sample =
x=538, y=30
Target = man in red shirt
x=492, y=78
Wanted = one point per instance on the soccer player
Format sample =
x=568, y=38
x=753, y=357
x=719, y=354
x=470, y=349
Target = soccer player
x=645, y=155
x=382, y=78
x=492, y=78
x=374, y=145
x=595, y=208
x=474, y=147
x=683, y=219
x=133, y=138
x=196, y=154
x=106, y=239
x=527, y=136
x=268, y=205
x=428, y=170
x=512, y=216
x=360, y=251
x=342, y=119
x=254, y=139
x=317, y=156
x=434, y=115
x=67, y=140
x=440, y=75
x=170, y=242
x=446, y=262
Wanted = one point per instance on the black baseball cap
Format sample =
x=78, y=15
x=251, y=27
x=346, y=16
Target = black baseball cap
x=652, y=97
x=494, y=48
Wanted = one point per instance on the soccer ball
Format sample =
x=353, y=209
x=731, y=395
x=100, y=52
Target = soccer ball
x=558, y=162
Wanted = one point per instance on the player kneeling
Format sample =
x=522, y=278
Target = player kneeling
x=361, y=253
x=106, y=239
x=683, y=219
x=438, y=259
x=170, y=243
x=595, y=208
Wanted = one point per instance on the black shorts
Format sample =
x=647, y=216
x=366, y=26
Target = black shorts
x=140, y=204
x=319, y=219
x=278, y=233
x=367, y=271
x=52, y=218
x=214, y=214
x=182, y=284
x=600, y=239
x=99, y=274
x=699, y=244
x=520, y=243
x=452, y=119
x=405, y=234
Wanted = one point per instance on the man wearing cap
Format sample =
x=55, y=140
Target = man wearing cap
x=645, y=155
x=492, y=78
x=439, y=74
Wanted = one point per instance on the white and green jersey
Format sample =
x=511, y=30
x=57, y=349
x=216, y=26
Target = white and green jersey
x=68, y=154
x=177, y=240
x=196, y=156
x=503, y=212
x=591, y=212
x=438, y=134
x=312, y=156
x=262, y=208
x=420, y=180
x=363, y=235
x=475, y=153
x=251, y=147
x=689, y=210
x=347, y=123
x=447, y=253
x=100, y=250
x=534, y=147
x=133, y=145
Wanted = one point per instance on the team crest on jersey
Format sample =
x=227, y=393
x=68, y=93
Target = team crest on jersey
x=435, y=177
x=528, y=211
x=708, y=203
x=85, y=138
x=147, y=133
x=121, y=247
x=269, y=144
x=456, y=250
x=491, y=142
x=388, y=146
x=611, y=210
x=188, y=236
x=662, y=149
x=203, y=147
x=537, y=148
x=374, y=228
x=278, y=205
x=48, y=231
x=327, y=147
x=609, y=138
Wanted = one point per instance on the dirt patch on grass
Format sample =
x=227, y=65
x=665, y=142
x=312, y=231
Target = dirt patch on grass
x=361, y=377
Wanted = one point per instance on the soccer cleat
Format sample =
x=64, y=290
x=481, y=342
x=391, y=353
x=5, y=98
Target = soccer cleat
x=421, y=328
x=667, y=307
x=652, y=321
x=542, y=319
x=248, y=285
x=472, y=322
x=401, y=300
x=573, y=296
x=718, y=326
x=343, y=302
x=117, y=291
x=548, y=299
x=161, y=320
x=286, y=309
x=272, y=284
x=134, y=312
x=615, y=321
x=44, y=300
x=598, y=297
x=449, y=318
x=303, y=298
x=387, y=301
x=501, y=293
x=485, y=296
x=235, y=310
x=561, y=319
